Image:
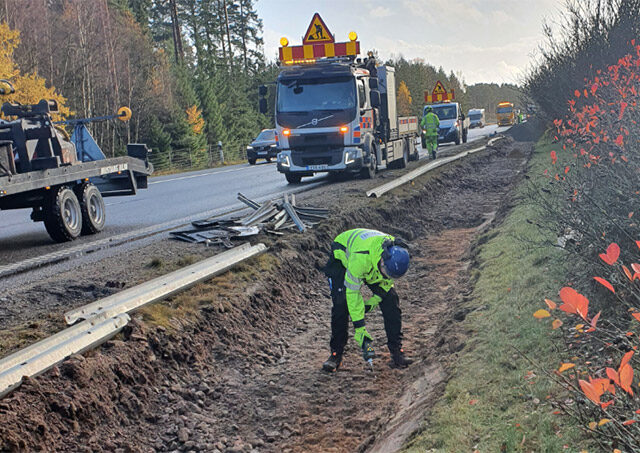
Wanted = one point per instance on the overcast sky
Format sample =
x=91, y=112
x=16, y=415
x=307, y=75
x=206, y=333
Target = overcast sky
x=483, y=40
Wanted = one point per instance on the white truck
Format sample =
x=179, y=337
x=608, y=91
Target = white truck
x=337, y=114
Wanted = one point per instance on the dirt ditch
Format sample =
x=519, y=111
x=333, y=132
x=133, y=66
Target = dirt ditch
x=240, y=371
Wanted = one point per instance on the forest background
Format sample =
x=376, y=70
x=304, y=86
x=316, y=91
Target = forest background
x=189, y=70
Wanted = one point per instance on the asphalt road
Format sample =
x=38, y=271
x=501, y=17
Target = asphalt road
x=168, y=198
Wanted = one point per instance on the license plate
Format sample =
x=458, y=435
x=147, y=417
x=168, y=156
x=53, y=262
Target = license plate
x=317, y=167
x=262, y=153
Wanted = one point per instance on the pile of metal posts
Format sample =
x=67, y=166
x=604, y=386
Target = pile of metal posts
x=274, y=216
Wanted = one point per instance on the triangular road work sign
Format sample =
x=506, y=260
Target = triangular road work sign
x=318, y=32
x=439, y=89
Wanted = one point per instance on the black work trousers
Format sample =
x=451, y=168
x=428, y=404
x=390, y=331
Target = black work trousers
x=390, y=307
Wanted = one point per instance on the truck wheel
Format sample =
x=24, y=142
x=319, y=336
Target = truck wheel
x=62, y=214
x=252, y=161
x=369, y=172
x=293, y=178
x=92, y=207
x=402, y=163
x=413, y=151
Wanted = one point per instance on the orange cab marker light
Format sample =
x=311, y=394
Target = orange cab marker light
x=286, y=132
x=47, y=188
x=344, y=129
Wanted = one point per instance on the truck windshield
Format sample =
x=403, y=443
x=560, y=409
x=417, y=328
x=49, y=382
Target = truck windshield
x=505, y=109
x=446, y=112
x=475, y=116
x=336, y=94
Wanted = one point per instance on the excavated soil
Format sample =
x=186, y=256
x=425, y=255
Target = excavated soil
x=242, y=372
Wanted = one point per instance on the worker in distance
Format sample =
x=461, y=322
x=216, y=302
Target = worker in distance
x=430, y=124
x=362, y=256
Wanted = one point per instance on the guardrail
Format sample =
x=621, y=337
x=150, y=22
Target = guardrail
x=39, y=357
x=381, y=190
x=164, y=286
x=105, y=318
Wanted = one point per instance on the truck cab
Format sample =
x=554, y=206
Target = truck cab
x=336, y=117
x=454, y=126
x=505, y=114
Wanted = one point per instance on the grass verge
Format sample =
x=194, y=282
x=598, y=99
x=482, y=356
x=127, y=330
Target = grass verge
x=496, y=401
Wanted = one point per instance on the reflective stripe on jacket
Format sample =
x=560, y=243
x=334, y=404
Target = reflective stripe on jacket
x=359, y=251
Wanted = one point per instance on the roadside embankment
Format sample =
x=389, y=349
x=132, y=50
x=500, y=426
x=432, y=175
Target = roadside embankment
x=234, y=364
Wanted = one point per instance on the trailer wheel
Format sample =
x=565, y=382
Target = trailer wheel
x=293, y=178
x=92, y=207
x=62, y=214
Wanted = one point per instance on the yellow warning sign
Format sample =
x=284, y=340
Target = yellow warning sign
x=439, y=89
x=318, y=32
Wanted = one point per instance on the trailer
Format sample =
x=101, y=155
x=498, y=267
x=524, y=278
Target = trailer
x=63, y=180
x=336, y=113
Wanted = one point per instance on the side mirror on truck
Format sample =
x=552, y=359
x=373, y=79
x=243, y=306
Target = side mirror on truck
x=375, y=98
x=262, y=90
x=263, y=105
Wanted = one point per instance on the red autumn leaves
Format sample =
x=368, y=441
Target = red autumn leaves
x=611, y=255
x=622, y=377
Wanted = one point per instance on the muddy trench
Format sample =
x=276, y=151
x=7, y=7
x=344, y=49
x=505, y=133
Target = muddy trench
x=243, y=373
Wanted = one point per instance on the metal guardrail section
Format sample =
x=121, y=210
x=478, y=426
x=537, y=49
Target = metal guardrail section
x=381, y=190
x=39, y=357
x=164, y=286
x=106, y=317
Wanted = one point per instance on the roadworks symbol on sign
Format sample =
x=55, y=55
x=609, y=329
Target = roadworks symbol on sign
x=318, y=32
x=439, y=89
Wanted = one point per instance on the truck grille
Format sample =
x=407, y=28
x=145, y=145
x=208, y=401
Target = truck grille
x=304, y=158
x=326, y=140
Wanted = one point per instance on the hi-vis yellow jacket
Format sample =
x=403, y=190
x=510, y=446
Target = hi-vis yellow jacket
x=360, y=254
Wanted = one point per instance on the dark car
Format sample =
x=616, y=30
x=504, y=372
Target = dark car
x=265, y=146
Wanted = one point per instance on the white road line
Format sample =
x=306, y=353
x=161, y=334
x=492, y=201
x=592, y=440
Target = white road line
x=202, y=174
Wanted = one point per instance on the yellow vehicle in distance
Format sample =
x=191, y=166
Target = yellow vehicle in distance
x=505, y=114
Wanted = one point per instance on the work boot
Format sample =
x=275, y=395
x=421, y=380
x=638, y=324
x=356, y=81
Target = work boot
x=333, y=362
x=398, y=359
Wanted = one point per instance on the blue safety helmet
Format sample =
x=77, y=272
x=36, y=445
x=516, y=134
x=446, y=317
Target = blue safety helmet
x=395, y=261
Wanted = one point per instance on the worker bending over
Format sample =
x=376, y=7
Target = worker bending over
x=369, y=257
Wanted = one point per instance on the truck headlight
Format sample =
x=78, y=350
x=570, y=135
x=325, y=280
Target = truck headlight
x=249, y=148
x=283, y=160
x=350, y=156
x=273, y=146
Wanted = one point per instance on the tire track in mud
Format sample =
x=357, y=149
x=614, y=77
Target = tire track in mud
x=244, y=374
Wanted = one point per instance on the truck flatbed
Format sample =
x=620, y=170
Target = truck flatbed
x=115, y=176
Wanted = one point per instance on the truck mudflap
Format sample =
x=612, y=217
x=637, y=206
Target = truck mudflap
x=307, y=163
